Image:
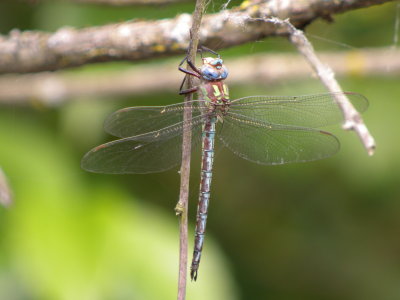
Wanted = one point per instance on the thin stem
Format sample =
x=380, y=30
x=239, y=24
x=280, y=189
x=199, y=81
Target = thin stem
x=353, y=120
x=5, y=191
x=182, y=206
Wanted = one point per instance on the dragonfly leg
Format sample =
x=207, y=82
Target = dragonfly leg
x=188, y=91
x=196, y=72
x=191, y=64
x=203, y=49
x=190, y=72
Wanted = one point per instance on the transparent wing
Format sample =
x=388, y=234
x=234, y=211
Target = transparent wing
x=305, y=111
x=147, y=153
x=271, y=144
x=132, y=121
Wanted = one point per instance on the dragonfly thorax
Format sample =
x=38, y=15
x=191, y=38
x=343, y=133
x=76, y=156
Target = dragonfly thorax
x=213, y=69
x=214, y=92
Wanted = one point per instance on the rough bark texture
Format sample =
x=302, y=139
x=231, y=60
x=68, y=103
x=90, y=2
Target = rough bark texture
x=33, y=51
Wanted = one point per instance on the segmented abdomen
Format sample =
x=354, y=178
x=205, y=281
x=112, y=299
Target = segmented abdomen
x=205, y=186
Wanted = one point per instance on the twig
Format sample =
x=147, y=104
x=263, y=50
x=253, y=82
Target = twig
x=128, y=2
x=5, y=191
x=55, y=88
x=34, y=51
x=353, y=120
x=182, y=206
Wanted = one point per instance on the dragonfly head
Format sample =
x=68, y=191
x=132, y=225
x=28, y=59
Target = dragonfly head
x=213, y=69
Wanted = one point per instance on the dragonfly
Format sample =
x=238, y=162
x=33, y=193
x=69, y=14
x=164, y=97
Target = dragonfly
x=267, y=130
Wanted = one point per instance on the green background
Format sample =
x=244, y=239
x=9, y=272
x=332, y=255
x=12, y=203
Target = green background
x=322, y=230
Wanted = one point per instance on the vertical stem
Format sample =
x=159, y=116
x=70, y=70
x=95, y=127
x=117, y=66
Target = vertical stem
x=5, y=191
x=182, y=206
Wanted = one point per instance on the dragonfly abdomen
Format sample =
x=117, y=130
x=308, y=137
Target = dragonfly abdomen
x=205, y=188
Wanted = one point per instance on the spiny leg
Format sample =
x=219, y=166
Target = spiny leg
x=189, y=72
x=196, y=73
x=187, y=91
x=202, y=49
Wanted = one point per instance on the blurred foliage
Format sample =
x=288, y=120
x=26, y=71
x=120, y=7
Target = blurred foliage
x=69, y=238
x=321, y=230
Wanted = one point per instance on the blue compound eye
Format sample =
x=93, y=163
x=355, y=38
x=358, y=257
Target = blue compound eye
x=210, y=73
x=224, y=73
x=216, y=61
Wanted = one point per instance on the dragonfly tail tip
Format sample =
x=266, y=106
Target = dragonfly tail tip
x=193, y=275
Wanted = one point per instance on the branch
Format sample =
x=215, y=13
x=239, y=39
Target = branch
x=5, y=191
x=353, y=120
x=182, y=205
x=34, y=51
x=55, y=88
x=128, y=2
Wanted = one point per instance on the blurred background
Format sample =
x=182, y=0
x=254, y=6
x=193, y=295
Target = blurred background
x=321, y=230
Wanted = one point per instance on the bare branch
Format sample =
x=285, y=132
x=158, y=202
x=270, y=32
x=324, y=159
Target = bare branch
x=34, y=51
x=54, y=88
x=5, y=191
x=128, y=2
x=353, y=120
x=182, y=205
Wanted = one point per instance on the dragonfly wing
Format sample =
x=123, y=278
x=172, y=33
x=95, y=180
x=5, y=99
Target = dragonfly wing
x=132, y=121
x=271, y=144
x=305, y=111
x=147, y=153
